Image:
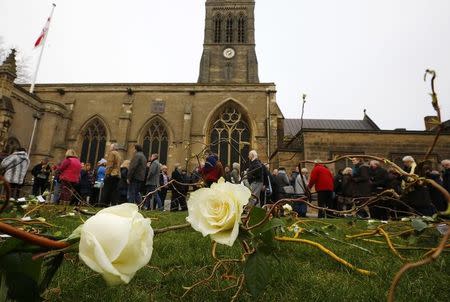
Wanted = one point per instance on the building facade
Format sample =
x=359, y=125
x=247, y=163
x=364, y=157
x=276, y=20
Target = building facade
x=228, y=111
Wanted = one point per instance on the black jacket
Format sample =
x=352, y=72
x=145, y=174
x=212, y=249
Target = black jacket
x=361, y=178
x=41, y=173
x=255, y=171
x=446, y=179
x=378, y=179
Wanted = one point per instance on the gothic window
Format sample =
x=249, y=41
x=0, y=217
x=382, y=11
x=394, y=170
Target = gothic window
x=217, y=29
x=241, y=29
x=94, y=142
x=229, y=29
x=230, y=137
x=156, y=140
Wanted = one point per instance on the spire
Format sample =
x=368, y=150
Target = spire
x=9, y=65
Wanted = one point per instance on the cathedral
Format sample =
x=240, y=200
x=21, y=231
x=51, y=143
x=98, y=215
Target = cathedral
x=227, y=111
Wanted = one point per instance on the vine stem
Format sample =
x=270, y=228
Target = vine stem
x=389, y=243
x=326, y=251
x=172, y=228
x=411, y=265
x=31, y=238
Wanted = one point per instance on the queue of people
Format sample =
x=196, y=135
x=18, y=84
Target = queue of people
x=146, y=182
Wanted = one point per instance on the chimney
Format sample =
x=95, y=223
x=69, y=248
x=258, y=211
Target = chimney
x=431, y=122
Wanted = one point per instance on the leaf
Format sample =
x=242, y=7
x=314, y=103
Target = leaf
x=3, y=288
x=256, y=216
x=22, y=276
x=9, y=245
x=257, y=273
x=418, y=224
x=271, y=224
x=52, y=265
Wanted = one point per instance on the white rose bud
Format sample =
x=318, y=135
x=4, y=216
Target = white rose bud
x=217, y=211
x=116, y=243
x=287, y=208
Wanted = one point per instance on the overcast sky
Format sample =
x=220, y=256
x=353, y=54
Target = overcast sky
x=346, y=55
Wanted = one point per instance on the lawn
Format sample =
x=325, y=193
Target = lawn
x=301, y=273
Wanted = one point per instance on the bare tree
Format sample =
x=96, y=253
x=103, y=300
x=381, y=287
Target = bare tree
x=23, y=63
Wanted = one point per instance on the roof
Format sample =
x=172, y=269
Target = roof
x=293, y=126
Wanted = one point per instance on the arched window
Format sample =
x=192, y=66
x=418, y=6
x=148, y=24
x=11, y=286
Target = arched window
x=156, y=140
x=218, y=29
x=230, y=137
x=229, y=29
x=241, y=29
x=94, y=142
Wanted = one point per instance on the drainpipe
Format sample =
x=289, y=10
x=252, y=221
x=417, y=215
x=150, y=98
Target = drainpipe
x=268, y=93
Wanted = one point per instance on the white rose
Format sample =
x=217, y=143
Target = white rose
x=217, y=211
x=116, y=243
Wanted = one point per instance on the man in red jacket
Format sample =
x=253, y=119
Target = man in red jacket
x=322, y=179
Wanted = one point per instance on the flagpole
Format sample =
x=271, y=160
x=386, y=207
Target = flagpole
x=42, y=50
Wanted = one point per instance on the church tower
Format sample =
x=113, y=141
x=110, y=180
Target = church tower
x=229, y=54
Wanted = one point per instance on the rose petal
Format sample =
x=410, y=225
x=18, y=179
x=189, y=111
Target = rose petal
x=93, y=255
x=111, y=231
x=139, y=248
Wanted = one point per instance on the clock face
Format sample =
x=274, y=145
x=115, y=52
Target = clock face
x=229, y=53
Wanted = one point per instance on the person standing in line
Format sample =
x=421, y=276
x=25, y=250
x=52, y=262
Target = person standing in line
x=152, y=183
x=301, y=187
x=41, y=173
x=212, y=170
x=322, y=179
x=177, y=188
x=163, y=181
x=255, y=176
x=99, y=177
x=110, y=194
x=15, y=168
x=235, y=174
x=136, y=175
x=86, y=182
x=123, y=183
x=227, y=173
x=294, y=174
x=70, y=171
x=446, y=174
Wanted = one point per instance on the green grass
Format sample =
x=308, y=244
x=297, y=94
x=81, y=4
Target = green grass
x=303, y=273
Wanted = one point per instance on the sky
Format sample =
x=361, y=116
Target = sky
x=346, y=55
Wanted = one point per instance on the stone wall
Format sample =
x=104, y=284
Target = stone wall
x=389, y=144
x=189, y=112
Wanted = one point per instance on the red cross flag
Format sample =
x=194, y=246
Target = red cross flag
x=43, y=33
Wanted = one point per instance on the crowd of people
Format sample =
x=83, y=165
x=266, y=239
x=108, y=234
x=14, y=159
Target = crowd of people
x=145, y=181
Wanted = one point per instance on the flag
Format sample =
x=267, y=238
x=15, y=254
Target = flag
x=43, y=33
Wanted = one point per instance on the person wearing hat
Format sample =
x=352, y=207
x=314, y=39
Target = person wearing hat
x=99, y=178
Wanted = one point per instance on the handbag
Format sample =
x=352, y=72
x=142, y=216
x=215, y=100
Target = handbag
x=288, y=190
